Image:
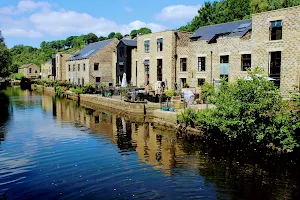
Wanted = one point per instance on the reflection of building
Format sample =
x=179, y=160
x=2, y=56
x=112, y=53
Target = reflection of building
x=30, y=70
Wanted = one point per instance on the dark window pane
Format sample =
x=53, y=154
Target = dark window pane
x=246, y=62
x=224, y=59
x=96, y=66
x=201, y=64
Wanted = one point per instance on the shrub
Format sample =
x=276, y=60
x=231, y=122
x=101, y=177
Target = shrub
x=17, y=76
x=186, y=85
x=207, y=92
x=169, y=93
x=251, y=112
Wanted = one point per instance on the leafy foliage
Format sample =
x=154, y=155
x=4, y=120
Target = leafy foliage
x=17, y=76
x=5, y=57
x=217, y=12
x=251, y=112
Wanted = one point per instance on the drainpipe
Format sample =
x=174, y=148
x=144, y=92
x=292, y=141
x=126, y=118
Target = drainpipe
x=211, y=79
x=176, y=56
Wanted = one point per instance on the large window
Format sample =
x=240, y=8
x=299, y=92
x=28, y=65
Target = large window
x=275, y=63
x=98, y=79
x=96, y=66
x=246, y=62
x=73, y=67
x=276, y=30
x=159, y=69
x=159, y=44
x=224, y=59
x=121, y=53
x=83, y=67
x=147, y=46
x=201, y=81
x=201, y=64
x=183, y=66
x=82, y=81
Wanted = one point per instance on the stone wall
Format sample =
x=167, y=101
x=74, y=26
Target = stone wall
x=105, y=59
x=35, y=71
x=74, y=74
x=234, y=47
x=289, y=45
x=167, y=55
x=61, y=70
x=46, y=70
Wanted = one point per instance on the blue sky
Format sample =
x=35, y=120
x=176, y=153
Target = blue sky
x=30, y=22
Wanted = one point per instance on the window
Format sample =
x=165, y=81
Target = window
x=200, y=81
x=96, y=66
x=57, y=59
x=78, y=83
x=224, y=59
x=73, y=67
x=69, y=67
x=98, y=79
x=183, y=64
x=78, y=67
x=36, y=71
x=159, y=44
x=69, y=80
x=30, y=70
x=182, y=81
x=121, y=53
x=97, y=119
x=275, y=63
x=159, y=69
x=147, y=46
x=201, y=64
x=82, y=81
x=83, y=67
x=246, y=62
x=276, y=30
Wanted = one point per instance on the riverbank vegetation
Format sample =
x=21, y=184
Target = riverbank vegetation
x=249, y=112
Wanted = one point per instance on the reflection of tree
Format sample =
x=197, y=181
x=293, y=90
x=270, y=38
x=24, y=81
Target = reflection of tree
x=239, y=174
x=4, y=113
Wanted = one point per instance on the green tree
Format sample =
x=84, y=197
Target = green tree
x=250, y=112
x=70, y=42
x=111, y=35
x=118, y=35
x=144, y=31
x=133, y=33
x=101, y=38
x=91, y=38
x=5, y=57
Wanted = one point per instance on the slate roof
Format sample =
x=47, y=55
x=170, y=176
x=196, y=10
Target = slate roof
x=27, y=65
x=231, y=29
x=131, y=43
x=90, y=50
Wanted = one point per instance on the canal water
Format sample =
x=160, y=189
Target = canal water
x=53, y=149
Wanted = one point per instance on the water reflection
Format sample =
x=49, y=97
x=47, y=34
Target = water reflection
x=136, y=159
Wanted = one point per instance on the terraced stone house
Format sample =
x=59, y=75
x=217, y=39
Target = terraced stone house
x=30, y=70
x=92, y=64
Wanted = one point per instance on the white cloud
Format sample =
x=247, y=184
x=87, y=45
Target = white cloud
x=34, y=19
x=15, y=32
x=180, y=13
x=24, y=6
x=128, y=9
x=29, y=5
x=64, y=22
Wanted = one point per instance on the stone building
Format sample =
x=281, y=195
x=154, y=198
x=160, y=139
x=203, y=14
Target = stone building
x=59, y=66
x=92, y=64
x=156, y=56
x=276, y=46
x=270, y=40
x=46, y=70
x=30, y=70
